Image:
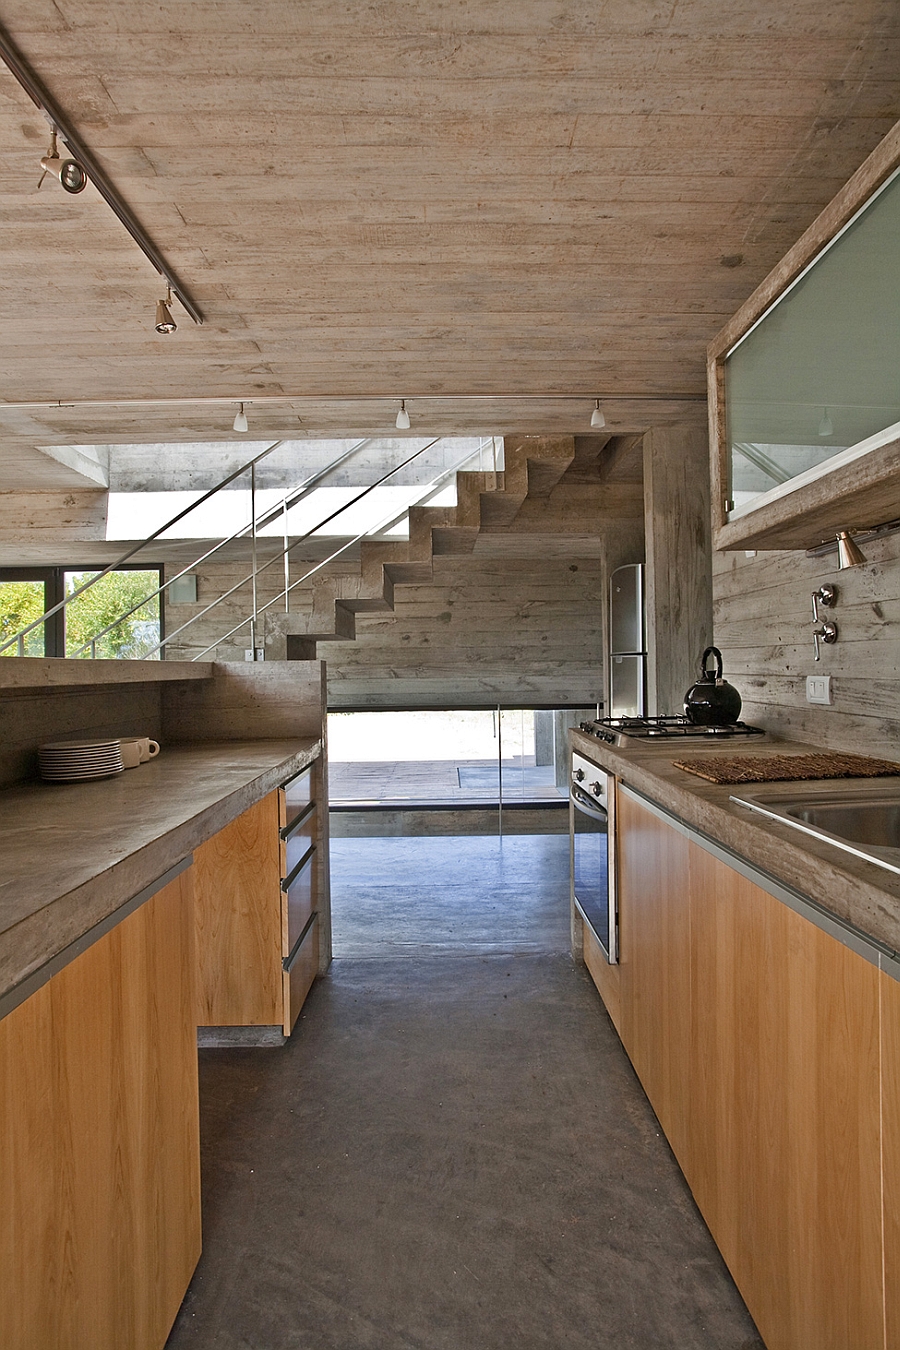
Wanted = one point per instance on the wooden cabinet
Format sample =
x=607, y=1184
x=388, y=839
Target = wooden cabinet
x=769, y=1051
x=237, y=905
x=257, y=887
x=654, y=956
x=99, y=1141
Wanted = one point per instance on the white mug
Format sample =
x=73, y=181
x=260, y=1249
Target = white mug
x=143, y=745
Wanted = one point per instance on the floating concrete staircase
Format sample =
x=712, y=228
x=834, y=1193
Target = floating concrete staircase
x=485, y=502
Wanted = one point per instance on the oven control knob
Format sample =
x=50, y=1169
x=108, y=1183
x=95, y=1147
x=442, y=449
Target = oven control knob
x=578, y=775
x=596, y=789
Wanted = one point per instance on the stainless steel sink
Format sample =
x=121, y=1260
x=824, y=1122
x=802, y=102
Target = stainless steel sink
x=864, y=820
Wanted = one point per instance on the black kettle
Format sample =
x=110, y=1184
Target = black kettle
x=712, y=701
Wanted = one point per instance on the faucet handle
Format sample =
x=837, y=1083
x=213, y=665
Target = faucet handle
x=823, y=629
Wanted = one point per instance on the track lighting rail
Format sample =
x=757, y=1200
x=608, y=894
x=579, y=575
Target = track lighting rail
x=39, y=96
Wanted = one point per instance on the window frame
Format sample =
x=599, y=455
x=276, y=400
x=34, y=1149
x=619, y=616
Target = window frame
x=54, y=591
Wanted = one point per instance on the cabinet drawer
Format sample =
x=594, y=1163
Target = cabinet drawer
x=301, y=968
x=299, y=900
x=296, y=839
x=296, y=795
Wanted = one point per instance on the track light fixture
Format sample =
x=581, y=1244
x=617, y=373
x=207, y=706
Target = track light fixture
x=164, y=321
x=69, y=172
x=597, y=418
x=402, y=423
x=240, y=420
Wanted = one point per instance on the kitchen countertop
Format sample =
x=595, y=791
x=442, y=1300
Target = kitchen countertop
x=858, y=892
x=75, y=853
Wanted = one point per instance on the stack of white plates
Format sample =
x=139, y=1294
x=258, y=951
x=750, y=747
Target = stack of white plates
x=73, y=761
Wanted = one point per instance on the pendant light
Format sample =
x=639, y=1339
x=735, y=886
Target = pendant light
x=826, y=426
x=597, y=418
x=402, y=423
x=240, y=420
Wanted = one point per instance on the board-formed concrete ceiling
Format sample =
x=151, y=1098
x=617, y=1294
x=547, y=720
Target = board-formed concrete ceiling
x=412, y=199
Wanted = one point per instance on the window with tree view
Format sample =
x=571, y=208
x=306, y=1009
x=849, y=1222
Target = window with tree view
x=118, y=617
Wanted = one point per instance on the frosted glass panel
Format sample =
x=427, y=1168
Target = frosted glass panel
x=821, y=370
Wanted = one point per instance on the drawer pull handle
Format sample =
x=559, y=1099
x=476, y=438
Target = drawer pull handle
x=292, y=876
x=298, y=820
x=288, y=961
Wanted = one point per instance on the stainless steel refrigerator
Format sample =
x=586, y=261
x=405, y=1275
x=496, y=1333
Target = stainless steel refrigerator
x=627, y=683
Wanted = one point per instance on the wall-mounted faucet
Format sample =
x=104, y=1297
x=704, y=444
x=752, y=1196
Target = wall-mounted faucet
x=823, y=629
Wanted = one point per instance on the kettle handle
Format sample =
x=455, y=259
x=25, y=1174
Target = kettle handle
x=704, y=673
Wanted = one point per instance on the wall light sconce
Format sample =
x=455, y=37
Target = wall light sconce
x=849, y=553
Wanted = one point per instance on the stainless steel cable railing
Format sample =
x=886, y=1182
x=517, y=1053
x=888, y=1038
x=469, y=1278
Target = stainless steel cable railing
x=430, y=490
x=252, y=617
x=98, y=576
x=292, y=498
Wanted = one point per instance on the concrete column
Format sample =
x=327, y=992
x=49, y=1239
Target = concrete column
x=679, y=561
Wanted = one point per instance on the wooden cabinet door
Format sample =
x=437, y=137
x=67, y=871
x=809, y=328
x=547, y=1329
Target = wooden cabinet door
x=99, y=1141
x=238, y=907
x=890, y=1098
x=298, y=979
x=654, y=956
x=784, y=1113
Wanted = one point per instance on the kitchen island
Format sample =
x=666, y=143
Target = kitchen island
x=757, y=996
x=102, y=961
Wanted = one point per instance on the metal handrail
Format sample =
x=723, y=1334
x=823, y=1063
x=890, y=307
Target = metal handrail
x=291, y=498
x=299, y=540
x=393, y=519
x=98, y=576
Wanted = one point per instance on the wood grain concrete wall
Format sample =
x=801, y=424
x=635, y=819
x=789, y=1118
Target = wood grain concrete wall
x=484, y=630
x=762, y=620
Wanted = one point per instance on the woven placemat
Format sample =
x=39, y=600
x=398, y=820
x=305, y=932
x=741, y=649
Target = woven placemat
x=783, y=768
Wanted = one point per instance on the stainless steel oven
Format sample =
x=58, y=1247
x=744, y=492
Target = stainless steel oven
x=592, y=807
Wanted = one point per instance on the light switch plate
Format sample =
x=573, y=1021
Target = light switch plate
x=818, y=689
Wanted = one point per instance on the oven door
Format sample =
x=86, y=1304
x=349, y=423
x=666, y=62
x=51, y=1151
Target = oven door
x=593, y=864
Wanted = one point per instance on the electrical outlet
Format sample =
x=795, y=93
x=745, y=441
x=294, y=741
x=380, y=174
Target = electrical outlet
x=818, y=689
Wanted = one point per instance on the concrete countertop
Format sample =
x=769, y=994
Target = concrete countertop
x=858, y=892
x=75, y=853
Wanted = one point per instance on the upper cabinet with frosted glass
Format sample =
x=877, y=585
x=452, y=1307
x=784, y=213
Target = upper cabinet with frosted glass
x=804, y=381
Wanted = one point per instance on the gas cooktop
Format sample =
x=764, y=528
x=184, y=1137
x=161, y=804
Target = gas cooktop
x=619, y=730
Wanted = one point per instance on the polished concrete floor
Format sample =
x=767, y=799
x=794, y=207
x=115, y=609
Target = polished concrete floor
x=453, y=1152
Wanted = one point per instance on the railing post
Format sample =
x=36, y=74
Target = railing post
x=21, y=644
x=287, y=563
x=253, y=538
x=93, y=649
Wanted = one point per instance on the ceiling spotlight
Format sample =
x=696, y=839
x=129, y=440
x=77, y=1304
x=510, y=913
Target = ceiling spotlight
x=597, y=418
x=849, y=553
x=402, y=423
x=826, y=426
x=240, y=420
x=164, y=321
x=69, y=172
